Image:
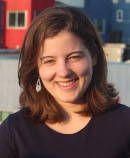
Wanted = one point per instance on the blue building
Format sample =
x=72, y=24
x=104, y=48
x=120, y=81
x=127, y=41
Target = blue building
x=112, y=17
x=120, y=24
x=100, y=13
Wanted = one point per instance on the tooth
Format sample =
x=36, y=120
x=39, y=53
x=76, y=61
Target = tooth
x=65, y=84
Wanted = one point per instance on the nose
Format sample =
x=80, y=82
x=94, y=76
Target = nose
x=63, y=70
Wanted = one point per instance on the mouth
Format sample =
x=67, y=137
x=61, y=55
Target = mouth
x=67, y=84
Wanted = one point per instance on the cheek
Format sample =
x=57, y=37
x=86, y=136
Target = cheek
x=83, y=69
x=46, y=74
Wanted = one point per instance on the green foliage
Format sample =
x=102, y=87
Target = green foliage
x=4, y=115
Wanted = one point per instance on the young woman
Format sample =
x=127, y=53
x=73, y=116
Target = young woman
x=68, y=109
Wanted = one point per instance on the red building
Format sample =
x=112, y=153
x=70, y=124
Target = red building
x=17, y=15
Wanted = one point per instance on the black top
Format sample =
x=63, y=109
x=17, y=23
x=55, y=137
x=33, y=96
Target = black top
x=105, y=136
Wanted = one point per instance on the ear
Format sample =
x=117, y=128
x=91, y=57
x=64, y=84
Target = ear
x=94, y=60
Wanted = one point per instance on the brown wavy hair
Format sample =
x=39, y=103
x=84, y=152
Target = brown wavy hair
x=99, y=96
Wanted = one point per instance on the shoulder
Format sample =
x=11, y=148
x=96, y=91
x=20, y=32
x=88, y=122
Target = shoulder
x=11, y=129
x=120, y=110
x=119, y=115
x=15, y=116
x=15, y=121
x=10, y=122
x=116, y=111
x=7, y=130
x=117, y=118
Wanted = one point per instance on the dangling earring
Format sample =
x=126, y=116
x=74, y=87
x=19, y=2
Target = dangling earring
x=38, y=85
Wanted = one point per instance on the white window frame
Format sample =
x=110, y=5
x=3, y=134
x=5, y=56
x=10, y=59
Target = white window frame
x=103, y=31
x=119, y=11
x=16, y=22
x=115, y=1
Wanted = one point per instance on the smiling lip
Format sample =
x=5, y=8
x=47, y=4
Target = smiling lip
x=66, y=85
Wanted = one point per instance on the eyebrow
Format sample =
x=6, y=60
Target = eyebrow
x=44, y=57
x=80, y=52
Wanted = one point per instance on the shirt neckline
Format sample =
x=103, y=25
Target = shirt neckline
x=83, y=130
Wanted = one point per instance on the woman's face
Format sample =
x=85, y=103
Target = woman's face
x=65, y=67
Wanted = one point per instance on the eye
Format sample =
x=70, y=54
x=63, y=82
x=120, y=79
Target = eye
x=75, y=58
x=48, y=62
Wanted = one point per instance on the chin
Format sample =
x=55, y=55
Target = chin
x=68, y=100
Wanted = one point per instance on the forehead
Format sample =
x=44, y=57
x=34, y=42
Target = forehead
x=63, y=42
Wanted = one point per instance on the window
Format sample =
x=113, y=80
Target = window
x=115, y=1
x=119, y=15
x=12, y=17
x=115, y=37
x=100, y=23
x=17, y=19
x=21, y=19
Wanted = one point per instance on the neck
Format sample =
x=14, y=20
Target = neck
x=70, y=110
